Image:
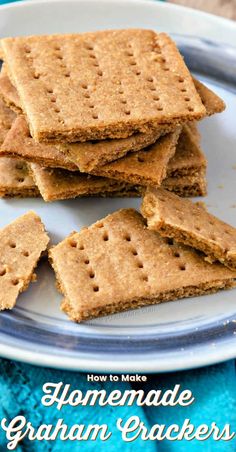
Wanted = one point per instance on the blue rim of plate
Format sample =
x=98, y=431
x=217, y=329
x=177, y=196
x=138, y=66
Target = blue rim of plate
x=24, y=334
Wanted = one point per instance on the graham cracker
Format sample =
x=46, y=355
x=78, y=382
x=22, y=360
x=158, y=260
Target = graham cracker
x=190, y=224
x=187, y=186
x=8, y=92
x=118, y=264
x=19, y=143
x=15, y=180
x=107, y=84
x=56, y=184
x=7, y=117
x=86, y=156
x=147, y=167
x=212, y=102
x=185, y=171
x=92, y=157
x=21, y=244
x=189, y=158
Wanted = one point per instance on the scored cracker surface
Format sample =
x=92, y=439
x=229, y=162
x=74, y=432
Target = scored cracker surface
x=21, y=245
x=15, y=180
x=188, y=223
x=118, y=264
x=100, y=85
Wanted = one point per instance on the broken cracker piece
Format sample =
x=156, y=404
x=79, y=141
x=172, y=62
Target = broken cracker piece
x=212, y=102
x=118, y=264
x=190, y=224
x=21, y=244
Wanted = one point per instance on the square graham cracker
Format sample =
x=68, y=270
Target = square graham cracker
x=15, y=180
x=190, y=224
x=118, y=264
x=21, y=244
x=107, y=84
x=57, y=184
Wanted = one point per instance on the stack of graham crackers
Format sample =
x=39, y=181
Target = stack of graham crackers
x=106, y=113
x=111, y=113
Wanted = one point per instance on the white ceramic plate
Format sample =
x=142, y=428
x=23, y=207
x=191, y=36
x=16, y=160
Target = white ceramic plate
x=178, y=335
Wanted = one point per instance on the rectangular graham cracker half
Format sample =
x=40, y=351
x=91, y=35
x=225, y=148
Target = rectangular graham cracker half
x=147, y=167
x=21, y=244
x=124, y=81
x=15, y=180
x=188, y=223
x=19, y=143
x=56, y=184
x=118, y=264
